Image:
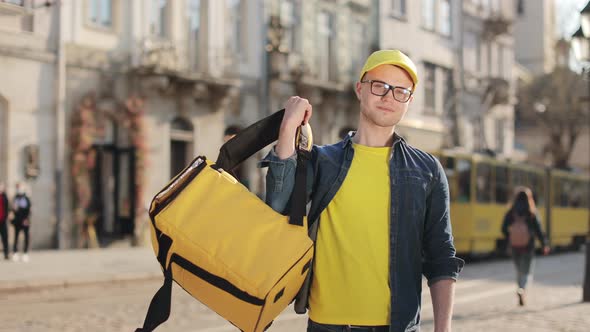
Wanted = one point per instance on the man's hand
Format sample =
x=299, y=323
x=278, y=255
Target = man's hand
x=297, y=112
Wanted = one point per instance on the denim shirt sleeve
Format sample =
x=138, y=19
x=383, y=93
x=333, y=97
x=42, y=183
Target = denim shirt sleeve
x=439, y=252
x=280, y=180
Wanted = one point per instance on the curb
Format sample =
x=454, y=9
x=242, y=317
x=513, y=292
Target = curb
x=28, y=286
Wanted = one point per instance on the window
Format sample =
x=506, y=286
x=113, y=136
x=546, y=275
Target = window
x=15, y=2
x=501, y=185
x=429, y=87
x=290, y=22
x=448, y=89
x=100, y=12
x=194, y=26
x=464, y=180
x=520, y=7
x=484, y=183
x=448, y=163
x=398, y=8
x=326, y=39
x=159, y=18
x=565, y=190
x=538, y=187
x=359, y=44
x=495, y=6
x=428, y=14
x=234, y=30
x=444, y=19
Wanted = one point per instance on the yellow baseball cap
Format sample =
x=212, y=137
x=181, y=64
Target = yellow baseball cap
x=390, y=57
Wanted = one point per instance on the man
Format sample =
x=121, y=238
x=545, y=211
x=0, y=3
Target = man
x=382, y=207
x=22, y=210
x=4, y=209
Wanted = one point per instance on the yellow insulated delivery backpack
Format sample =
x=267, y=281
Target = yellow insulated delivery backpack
x=224, y=245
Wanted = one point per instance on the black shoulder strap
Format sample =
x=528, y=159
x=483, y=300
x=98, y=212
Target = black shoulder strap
x=249, y=141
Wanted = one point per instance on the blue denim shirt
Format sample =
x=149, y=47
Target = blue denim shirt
x=421, y=242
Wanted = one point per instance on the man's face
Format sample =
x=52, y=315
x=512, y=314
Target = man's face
x=383, y=111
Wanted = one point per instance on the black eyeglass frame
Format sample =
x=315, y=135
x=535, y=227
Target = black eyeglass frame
x=390, y=87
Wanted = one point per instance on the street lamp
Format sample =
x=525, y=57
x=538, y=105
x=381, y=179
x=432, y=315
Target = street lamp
x=581, y=46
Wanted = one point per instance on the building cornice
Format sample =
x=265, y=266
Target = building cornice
x=28, y=54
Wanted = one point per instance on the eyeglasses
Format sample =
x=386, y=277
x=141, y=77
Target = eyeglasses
x=380, y=89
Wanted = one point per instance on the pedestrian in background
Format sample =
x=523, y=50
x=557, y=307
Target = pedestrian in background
x=4, y=211
x=520, y=227
x=21, y=207
x=380, y=207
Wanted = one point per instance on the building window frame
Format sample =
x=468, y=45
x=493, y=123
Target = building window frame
x=429, y=88
x=159, y=18
x=194, y=11
x=236, y=31
x=326, y=71
x=291, y=22
x=360, y=43
x=399, y=9
x=101, y=8
x=432, y=17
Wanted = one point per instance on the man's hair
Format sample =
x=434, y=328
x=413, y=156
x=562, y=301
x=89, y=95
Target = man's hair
x=232, y=130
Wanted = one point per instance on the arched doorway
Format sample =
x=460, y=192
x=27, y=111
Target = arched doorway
x=181, y=144
x=108, y=154
x=112, y=181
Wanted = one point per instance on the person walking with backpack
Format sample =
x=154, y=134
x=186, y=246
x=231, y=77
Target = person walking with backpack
x=21, y=206
x=4, y=209
x=520, y=227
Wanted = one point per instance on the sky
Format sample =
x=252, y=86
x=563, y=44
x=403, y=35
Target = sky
x=568, y=16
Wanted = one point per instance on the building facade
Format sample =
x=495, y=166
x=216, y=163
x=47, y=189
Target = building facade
x=105, y=100
x=464, y=51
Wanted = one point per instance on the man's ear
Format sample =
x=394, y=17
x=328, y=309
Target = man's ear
x=357, y=90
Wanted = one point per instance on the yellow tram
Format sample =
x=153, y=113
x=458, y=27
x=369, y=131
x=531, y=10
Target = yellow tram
x=481, y=189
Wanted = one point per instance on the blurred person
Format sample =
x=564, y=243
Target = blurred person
x=239, y=171
x=381, y=208
x=21, y=208
x=520, y=227
x=4, y=211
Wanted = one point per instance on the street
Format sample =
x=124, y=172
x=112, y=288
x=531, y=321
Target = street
x=485, y=301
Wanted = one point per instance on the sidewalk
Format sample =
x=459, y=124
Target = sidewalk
x=54, y=268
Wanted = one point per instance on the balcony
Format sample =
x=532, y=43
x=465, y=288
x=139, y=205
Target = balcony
x=497, y=92
x=497, y=22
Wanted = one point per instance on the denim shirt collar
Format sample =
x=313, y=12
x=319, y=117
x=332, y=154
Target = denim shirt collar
x=348, y=139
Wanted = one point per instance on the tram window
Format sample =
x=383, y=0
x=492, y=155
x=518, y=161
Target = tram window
x=464, y=180
x=502, y=186
x=566, y=188
x=484, y=183
x=577, y=195
x=519, y=178
x=448, y=164
x=538, y=188
x=585, y=194
x=556, y=191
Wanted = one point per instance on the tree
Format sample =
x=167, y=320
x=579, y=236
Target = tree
x=559, y=103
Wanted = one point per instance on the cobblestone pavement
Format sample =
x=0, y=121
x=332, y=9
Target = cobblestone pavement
x=485, y=301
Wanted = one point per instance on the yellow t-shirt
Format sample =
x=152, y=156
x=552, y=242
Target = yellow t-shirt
x=351, y=267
